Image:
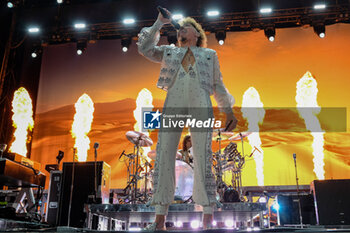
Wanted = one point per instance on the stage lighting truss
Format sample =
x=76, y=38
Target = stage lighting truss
x=270, y=33
x=220, y=36
x=235, y=21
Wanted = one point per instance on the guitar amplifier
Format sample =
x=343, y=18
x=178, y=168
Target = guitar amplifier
x=83, y=189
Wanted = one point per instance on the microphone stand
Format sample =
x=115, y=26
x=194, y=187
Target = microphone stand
x=297, y=181
x=71, y=187
x=95, y=196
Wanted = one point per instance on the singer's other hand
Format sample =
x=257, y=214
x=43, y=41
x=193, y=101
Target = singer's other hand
x=165, y=20
x=230, y=116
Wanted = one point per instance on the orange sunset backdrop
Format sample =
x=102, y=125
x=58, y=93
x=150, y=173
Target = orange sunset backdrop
x=113, y=80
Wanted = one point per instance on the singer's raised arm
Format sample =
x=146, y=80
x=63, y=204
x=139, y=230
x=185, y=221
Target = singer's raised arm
x=148, y=39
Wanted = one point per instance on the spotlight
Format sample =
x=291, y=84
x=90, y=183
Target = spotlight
x=319, y=6
x=10, y=4
x=195, y=224
x=270, y=33
x=172, y=39
x=177, y=16
x=213, y=13
x=220, y=37
x=262, y=199
x=81, y=47
x=320, y=30
x=276, y=206
x=129, y=21
x=265, y=10
x=178, y=224
x=214, y=223
x=229, y=223
x=33, y=30
x=80, y=25
x=59, y=1
x=125, y=44
x=36, y=51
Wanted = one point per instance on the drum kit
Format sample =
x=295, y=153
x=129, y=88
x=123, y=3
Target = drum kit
x=139, y=168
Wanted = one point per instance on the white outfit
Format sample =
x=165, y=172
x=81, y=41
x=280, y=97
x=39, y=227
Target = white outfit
x=188, y=93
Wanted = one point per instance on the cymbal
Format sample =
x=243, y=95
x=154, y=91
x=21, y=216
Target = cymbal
x=139, y=139
x=224, y=135
x=238, y=136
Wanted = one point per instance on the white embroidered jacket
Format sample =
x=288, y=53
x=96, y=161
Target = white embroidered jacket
x=170, y=57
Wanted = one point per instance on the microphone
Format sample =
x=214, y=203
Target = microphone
x=294, y=156
x=166, y=15
x=96, y=145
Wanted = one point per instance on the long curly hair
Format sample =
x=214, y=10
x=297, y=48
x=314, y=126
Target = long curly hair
x=202, y=39
x=184, y=142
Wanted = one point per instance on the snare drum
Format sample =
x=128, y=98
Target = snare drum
x=184, y=181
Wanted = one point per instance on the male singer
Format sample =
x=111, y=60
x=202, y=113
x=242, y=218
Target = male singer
x=190, y=74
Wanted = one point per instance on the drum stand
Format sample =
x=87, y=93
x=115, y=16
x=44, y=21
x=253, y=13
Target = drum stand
x=133, y=175
x=220, y=184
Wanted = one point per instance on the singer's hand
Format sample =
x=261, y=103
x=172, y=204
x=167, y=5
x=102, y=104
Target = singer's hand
x=165, y=20
x=230, y=116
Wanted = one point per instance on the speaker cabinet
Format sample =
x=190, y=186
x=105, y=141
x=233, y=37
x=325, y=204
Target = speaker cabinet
x=53, y=199
x=288, y=213
x=332, y=202
x=83, y=189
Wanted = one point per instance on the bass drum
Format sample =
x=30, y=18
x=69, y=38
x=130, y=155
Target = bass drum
x=184, y=181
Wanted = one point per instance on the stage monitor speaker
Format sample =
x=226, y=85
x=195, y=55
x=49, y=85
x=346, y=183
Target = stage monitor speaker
x=332, y=202
x=83, y=189
x=53, y=197
x=288, y=213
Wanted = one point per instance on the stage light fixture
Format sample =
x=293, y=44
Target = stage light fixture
x=172, y=39
x=265, y=10
x=262, y=199
x=229, y=223
x=36, y=51
x=129, y=21
x=80, y=25
x=319, y=6
x=320, y=30
x=195, y=224
x=10, y=4
x=178, y=224
x=177, y=16
x=270, y=33
x=125, y=44
x=59, y=1
x=81, y=47
x=220, y=36
x=276, y=206
x=214, y=223
x=213, y=13
x=33, y=30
